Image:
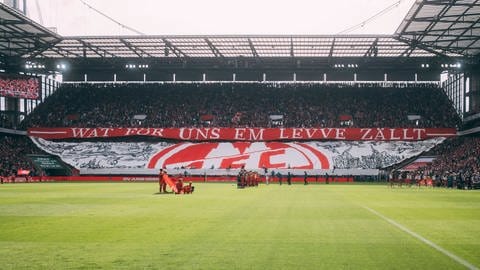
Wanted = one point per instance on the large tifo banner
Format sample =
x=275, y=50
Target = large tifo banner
x=224, y=155
x=249, y=134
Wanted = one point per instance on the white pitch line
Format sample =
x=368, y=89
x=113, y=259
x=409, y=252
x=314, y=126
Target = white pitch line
x=424, y=240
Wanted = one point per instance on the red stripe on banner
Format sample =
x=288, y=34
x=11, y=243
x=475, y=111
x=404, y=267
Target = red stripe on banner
x=153, y=161
x=321, y=157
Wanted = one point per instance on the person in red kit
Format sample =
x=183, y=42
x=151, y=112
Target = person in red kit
x=188, y=189
x=179, y=185
x=161, y=182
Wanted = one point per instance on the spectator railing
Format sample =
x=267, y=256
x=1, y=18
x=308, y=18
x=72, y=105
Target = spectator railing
x=396, y=84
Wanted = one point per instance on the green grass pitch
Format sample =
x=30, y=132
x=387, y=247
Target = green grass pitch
x=128, y=226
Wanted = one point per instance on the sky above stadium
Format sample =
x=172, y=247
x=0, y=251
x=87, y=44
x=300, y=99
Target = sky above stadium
x=217, y=17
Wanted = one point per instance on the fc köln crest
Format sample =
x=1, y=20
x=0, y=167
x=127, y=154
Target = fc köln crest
x=278, y=155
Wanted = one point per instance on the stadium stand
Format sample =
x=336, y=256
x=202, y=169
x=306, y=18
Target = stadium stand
x=409, y=92
x=251, y=105
x=457, y=159
x=14, y=150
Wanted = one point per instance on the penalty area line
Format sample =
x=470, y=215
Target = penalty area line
x=424, y=240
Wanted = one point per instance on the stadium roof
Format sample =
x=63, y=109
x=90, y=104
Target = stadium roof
x=443, y=25
x=21, y=36
x=431, y=28
x=236, y=46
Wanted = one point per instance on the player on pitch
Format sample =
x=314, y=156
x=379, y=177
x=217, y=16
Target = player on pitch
x=161, y=182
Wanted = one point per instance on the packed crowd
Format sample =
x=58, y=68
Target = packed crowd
x=230, y=105
x=227, y=105
x=457, y=163
x=14, y=150
x=19, y=87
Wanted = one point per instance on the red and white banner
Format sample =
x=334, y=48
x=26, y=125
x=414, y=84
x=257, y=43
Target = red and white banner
x=249, y=134
x=312, y=155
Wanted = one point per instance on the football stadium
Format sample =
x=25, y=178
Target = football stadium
x=129, y=142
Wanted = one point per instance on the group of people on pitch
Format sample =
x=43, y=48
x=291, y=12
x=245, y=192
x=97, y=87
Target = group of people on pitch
x=178, y=182
x=247, y=179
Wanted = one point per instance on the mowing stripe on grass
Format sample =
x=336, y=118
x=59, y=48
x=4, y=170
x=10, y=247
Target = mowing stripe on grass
x=424, y=240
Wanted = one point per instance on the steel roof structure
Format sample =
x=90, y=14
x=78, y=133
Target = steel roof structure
x=234, y=47
x=20, y=36
x=443, y=25
x=432, y=28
